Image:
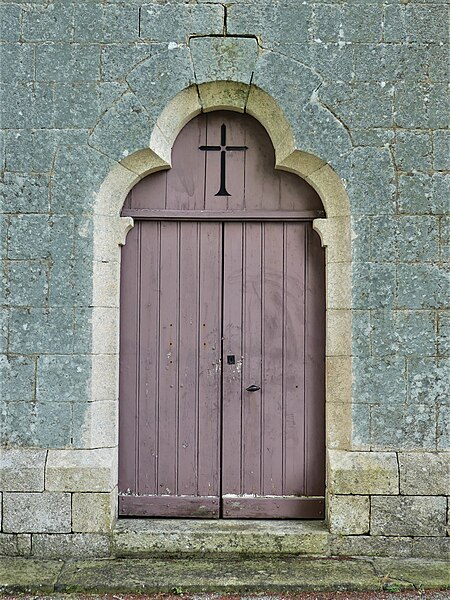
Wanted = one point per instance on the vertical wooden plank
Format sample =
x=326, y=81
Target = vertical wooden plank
x=148, y=357
x=272, y=355
x=213, y=164
x=251, y=364
x=150, y=192
x=262, y=182
x=293, y=373
x=188, y=363
x=168, y=355
x=315, y=365
x=128, y=368
x=297, y=194
x=186, y=179
x=209, y=377
x=235, y=161
x=232, y=346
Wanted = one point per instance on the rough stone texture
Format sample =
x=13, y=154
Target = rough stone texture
x=41, y=513
x=441, y=144
x=424, y=473
x=427, y=380
x=223, y=576
x=214, y=56
x=75, y=545
x=91, y=512
x=349, y=515
x=22, y=470
x=45, y=424
x=431, y=547
x=160, y=537
x=17, y=375
x=99, y=428
x=384, y=382
x=362, y=472
x=171, y=71
x=411, y=427
x=10, y=24
x=67, y=62
x=113, y=23
x=216, y=574
x=173, y=23
x=13, y=544
x=63, y=377
x=8, y=544
x=126, y=119
x=408, y=515
x=273, y=22
x=81, y=470
x=372, y=545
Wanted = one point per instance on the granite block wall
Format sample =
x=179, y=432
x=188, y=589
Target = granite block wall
x=364, y=87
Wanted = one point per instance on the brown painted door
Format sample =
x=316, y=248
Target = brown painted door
x=170, y=379
x=209, y=309
x=273, y=321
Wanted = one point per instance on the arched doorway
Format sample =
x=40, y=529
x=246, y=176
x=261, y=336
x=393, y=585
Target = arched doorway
x=222, y=340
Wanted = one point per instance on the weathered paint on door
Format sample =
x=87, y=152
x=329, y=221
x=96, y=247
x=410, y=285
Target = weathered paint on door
x=170, y=369
x=273, y=320
x=220, y=293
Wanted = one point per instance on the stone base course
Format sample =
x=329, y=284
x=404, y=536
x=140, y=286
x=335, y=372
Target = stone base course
x=45, y=512
x=92, y=512
x=408, y=515
x=72, y=518
x=371, y=545
x=431, y=547
x=141, y=538
x=13, y=544
x=349, y=515
x=75, y=545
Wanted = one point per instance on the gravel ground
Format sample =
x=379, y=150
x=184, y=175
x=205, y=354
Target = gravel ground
x=406, y=595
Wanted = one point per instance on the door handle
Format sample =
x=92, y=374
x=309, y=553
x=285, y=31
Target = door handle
x=252, y=388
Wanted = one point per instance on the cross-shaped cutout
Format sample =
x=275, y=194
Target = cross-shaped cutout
x=223, y=149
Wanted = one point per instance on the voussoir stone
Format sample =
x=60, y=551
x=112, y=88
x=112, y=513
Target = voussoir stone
x=424, y=473
x=22, y=470
x=362, y=472
x=81, y=470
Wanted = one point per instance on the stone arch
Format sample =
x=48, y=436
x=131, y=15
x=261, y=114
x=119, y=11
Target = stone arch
x=110, y=232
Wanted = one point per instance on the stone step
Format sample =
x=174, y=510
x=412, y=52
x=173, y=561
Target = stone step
x=180, y=537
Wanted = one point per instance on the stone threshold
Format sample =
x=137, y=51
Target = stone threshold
x=198, y=537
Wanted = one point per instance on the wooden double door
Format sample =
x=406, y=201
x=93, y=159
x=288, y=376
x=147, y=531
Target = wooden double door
x=222, y=370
